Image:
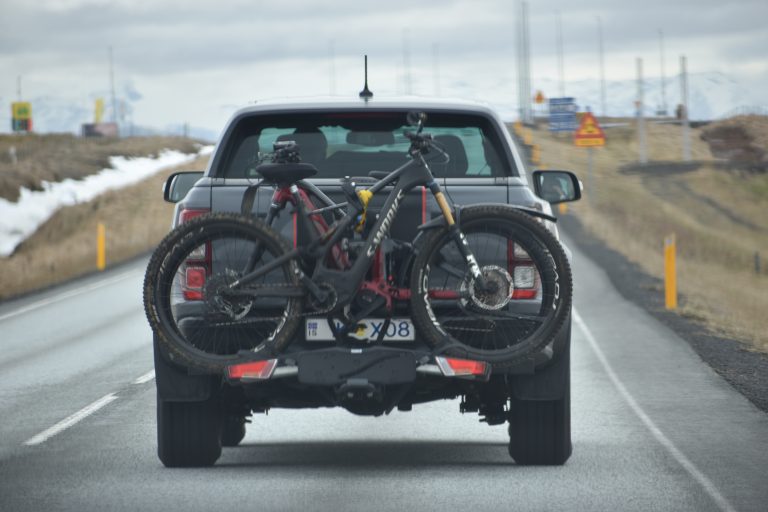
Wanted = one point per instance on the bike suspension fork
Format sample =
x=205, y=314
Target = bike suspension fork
x=455, y=232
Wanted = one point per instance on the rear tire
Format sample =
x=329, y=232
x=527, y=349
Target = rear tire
x=188, y=433
x=540, y=430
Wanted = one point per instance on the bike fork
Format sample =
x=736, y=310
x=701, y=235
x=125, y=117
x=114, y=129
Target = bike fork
x=455, y=232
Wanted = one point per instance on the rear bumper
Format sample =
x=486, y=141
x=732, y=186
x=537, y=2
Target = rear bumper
x=337, y=366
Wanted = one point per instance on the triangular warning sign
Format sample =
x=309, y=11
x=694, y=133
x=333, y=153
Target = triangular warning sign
x=589, y=132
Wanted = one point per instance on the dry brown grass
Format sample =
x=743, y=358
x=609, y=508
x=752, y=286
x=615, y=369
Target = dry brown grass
x=136, y=218
x=60, y=156
x=718, y=217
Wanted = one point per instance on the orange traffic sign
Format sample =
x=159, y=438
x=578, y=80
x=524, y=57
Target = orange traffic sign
x=589, y=133
x=539, y=97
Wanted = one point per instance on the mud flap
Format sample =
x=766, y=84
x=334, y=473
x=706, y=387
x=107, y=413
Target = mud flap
x=174, y=384
x=550, y=381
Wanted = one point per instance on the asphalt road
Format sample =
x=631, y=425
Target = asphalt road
x=654, y=428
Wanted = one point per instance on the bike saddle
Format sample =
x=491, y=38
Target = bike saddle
x=286, y=174
x=378, y=174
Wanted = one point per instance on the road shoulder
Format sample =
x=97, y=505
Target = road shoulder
x=745, y=370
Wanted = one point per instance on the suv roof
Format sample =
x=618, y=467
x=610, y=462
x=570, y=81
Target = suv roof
x=389, y=102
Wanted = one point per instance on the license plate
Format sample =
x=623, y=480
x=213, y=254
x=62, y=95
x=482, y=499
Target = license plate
x=400, y=329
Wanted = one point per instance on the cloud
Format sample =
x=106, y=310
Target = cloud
x=212, y=53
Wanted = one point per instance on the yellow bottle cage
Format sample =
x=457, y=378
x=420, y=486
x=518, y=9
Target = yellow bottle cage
x=365, y=196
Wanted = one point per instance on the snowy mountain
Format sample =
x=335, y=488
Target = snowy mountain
x=711, y=95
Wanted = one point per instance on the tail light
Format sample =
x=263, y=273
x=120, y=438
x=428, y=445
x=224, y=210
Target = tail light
x=197, y=267
x=253, y=370
x=467, y=368
x=187, y=214
x=523, y=272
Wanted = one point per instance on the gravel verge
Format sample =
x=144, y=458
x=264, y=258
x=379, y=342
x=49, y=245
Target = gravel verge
x=745, y=369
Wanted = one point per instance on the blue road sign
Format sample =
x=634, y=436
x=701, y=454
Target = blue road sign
x=562, y=115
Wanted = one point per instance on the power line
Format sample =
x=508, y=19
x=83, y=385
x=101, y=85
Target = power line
x=407, y=64
x=601, y=53
x=112, y=86
x=663, y=107
x=560, y=57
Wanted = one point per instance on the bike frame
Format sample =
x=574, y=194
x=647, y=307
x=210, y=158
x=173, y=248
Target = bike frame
x=324, y=245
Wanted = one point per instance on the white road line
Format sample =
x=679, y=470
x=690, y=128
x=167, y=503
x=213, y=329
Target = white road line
x=684, y=461
x=71, y=420
x=66, y=295
x=145, y=378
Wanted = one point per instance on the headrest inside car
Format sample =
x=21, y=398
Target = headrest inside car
x=370, y=138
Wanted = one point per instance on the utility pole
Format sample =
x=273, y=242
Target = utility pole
x=112, y=86
x=436, y=67
x=525, y=58
x=685, y=121
x=519, y=48
x=663, y=107
x=407, y=64
x=332, y=65
x=643, y=156
x=603, y=110
x=18, y=87
x=560, y=57
x=523, y=64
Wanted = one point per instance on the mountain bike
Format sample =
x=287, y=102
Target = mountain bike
x=225, y=287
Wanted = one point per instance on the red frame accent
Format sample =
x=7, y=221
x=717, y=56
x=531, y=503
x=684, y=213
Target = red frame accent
x=378, y=283
x=284, y=195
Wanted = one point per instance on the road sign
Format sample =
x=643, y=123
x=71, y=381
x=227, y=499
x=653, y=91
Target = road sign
x=589, y=133
x=21, y=116
x=562, y=114
x=539, y=97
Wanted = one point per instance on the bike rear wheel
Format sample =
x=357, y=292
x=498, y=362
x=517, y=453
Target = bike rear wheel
x=527, y=299
x=200, y=319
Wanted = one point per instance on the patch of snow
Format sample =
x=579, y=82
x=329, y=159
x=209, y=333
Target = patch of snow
x=19, y=220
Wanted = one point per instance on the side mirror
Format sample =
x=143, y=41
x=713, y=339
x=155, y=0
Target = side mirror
x=178, y=184
x=557, y=186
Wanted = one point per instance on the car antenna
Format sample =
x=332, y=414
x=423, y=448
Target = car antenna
x=366, y=93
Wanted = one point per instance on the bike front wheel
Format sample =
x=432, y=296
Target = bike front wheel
x=202, y=317
x=521, y=307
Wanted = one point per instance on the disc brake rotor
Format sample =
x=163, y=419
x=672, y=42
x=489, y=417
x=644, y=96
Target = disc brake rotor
x=498, y=292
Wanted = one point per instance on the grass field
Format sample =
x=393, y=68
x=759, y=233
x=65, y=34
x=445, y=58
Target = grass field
x=56, y=157
x=716, y=211
x=136, y=218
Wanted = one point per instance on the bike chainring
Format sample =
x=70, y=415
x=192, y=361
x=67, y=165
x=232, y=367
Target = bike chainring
x=330, y=300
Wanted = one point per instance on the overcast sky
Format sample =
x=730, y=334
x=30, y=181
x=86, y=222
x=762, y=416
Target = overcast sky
x=194, y=61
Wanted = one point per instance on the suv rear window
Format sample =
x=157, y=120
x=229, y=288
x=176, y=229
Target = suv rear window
x=353, y=143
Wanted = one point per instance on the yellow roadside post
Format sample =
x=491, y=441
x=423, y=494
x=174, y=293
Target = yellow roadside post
x=535, y=154
x=670, y=275
x=101, y=247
